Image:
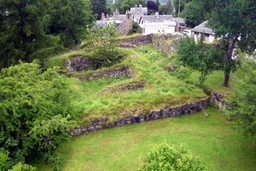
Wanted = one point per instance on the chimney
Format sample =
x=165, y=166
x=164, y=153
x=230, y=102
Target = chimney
x=140, y=6
x=136, y=7
x=157, y=14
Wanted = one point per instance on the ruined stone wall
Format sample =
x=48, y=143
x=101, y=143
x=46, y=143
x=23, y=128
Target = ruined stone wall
x=115, y=72
x=164, y=42
x=137, y=41
x=104, y=123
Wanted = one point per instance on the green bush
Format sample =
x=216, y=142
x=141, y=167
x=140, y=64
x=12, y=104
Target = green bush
x=103, y=45
x=166, y=158
x=35, y=109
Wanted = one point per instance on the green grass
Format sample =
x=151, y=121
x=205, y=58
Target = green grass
x=219, y=147
x=148, y=64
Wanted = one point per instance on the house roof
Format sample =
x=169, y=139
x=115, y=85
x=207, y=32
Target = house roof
x=180, y=21
x=202, y=28
x=142, y=10
x=157, y=18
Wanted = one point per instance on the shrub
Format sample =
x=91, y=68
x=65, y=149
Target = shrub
x=103, y=44
x=166, y=158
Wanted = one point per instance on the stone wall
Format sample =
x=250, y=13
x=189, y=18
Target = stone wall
x=115, y=72
x=78, y=64
x=124, y=87
x=137, y=41
x=164, y=42
x=104, y=123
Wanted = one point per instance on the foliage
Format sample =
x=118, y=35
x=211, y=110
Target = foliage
x=180, y=4
x=68, y=19
x=22, y=31
x=135, y=28
x=124, y=5
x=35, y=108
x=243, y=107
x=169, y=7
x=158, y=3
x=22, y=167
x=151, y=5
x=199, y=56
x=4, y=161
x=98, y=7
x=234, y=21
x=162, y=9
x=163, y=157
x=104, y=43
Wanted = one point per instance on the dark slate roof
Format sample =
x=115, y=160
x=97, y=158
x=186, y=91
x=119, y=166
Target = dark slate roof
x=120, y=17
x=201, y=28
x=154, y=18
x=180, y=21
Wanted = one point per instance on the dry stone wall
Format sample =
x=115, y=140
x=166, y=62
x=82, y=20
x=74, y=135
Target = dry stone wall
x=116, y=72
x=104, y=123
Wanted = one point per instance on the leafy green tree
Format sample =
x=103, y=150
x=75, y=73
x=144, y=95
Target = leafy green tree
x=135, y=28
x=179, y=4
x=68, y=19
x=199, y=56
x=22, y=167
x=233, y=21
x=98, y=7
x=164, y=157
x=243, y=108
x=35, y=108
x=169, y=7
x=22, y=32
x=124, y=5
x=158, y=3
x=4, y=161
x=103, y=45
x=162, y=9
x=194, y=13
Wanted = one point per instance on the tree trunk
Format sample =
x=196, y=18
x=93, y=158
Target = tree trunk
x=227, y=60
x=226, y=78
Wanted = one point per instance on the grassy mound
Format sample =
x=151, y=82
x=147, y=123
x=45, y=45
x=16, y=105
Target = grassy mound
x=147, y=64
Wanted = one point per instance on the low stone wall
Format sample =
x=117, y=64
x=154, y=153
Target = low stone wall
x=164, y=42
x=104, y=123
x=116, y=72
x=137, y=41
x=78, y=64
x=124, y=87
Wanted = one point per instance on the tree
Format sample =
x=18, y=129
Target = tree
x=68, y=19
x=164, y=157
x=162, y=9
x=22, y=32
x=103, y=45
x=35, y=108
x=233, y=21
x=152, y=6
x=199, y=56
x=179, y=5
x=135, y=28
x=98, y=7
x=124, y=5
x=158, y=3
x=243, y=108
x=169, y=7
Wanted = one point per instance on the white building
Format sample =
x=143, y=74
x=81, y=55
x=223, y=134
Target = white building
x=202, y=29
x=152, y=24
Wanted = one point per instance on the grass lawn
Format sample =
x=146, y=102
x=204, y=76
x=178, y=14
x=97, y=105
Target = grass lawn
x=219, y=147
